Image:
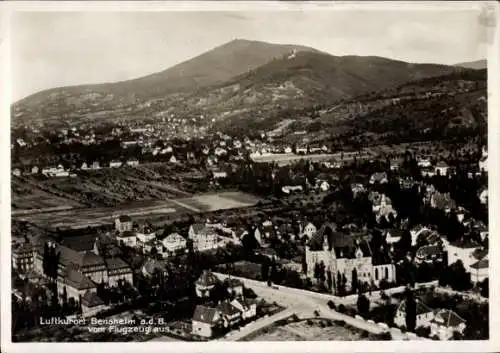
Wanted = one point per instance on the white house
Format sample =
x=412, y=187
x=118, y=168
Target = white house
x=424, y=163
x=205, y=320
x=173, y=159
x=483, y=196
x=445, y=322
x=127, y=238
x=308, y=229
x=248, y=308
x=84, y=166
x=289, y=189
x=324, y=186
x=479, y=270
x=132, y=162
x=115, y=164
x=218, y=174
x=174, y=242
x=288, y=149
x=442, y=168
x=424, y=315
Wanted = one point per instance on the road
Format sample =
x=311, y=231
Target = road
x=304, y=304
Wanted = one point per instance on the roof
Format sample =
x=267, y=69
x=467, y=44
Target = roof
x=465, y=244
x=442, y=164
x=227, y=308
x=115, y=263
x=125, y=218
x=80, y=243
x=480, y=253
x=379, y=176
x=197, y=227
x=77, y=280
x=483, y=263
x=205, y=314
x=23, y=248
x=90, y=299
x=81, y=259
x=381, y=257
x=127, y=234
x=207, y=278
x=233, y=282
x=428, y=250
x=421, y=307
x=448, y=318
x=345, y=245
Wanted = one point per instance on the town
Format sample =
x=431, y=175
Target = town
x=254, y=238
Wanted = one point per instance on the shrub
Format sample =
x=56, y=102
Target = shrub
x=403, y=329
x=423, y=331
x=342, y=309
x=331, y=305
x=309, y=322
x=386, y=336
x=339, y=323
x=364, y=334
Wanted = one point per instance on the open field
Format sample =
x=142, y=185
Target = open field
x=153, y=211
x=289, y=158
x=220, y=201
x=310, y=330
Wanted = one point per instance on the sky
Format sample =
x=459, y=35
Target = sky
x=53, y=49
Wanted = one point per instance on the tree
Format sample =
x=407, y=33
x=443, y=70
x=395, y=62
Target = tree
x=363, y=305
x=264, y=269
x=329, y=280
x=411, y=310
x=459, y=278
x=485, y=288
x=354, y=281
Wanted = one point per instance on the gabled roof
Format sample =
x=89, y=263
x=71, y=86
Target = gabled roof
x=207, y=278
x=197, y=227
x=205, y=314
x=77, y=280
x=125, y=218
x=24, y=248
x=442, y=164
x=448, y=318
x=428, y=250
x=481, y=264
x=226, y=308
x=421, y=307
x=127, y=234
x=115, y=263
x=90, y=299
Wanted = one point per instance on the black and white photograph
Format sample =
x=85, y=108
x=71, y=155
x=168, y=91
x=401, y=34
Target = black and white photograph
x=272, y=172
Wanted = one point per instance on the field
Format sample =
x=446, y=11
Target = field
x=153, y=211
x=289, y=158
x=311, y=330
x=219, y=201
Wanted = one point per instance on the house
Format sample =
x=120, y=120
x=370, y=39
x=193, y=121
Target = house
x=395, y=164
x=220, y=151
x=483, y=196
x=380, y=178
x=127, y=238
x=247, y=307
x=345, y=254
x=393, y=236
x=230, y=315
x=123, y=223
x=174, y=243
x=115, y=164
x=84, y=166
x=292, y=189
x=324, y=186
x=483, y=162
x=308, y=229
x=205, y=321
x=442, y=201
x=217, y=174
x=23, y=257
x=424, y=315
x=424, y=163
x=203, y=236
x=132, y=162
x=357, y=189
x=234, y=287
x=118, y=271
x=418, y=231
x=288, y=149
x=92, y=304
x=429, y=254
x=96, y=165
x=152, y=266
x=172, y=159
x=445, y=323
x=35, y=170
x=479, y=270
x=301, y=150
x=74, y=283
x=428, y=172
x=205, y=284
x=442, y=168
x=16, y=172
x=462, y=250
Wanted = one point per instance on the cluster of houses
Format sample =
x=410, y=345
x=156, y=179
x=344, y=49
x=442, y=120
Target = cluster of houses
x=441, y=322
x=82, y=266
x=208, y=321
x=203, y=237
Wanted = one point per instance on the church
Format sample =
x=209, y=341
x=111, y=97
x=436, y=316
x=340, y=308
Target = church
x=344, y=254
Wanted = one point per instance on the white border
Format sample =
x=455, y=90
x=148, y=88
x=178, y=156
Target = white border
x=7, y=8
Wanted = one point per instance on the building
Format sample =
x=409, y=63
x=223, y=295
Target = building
x=75, y=284
x=230, y=315
x=217, y=174
x=442, y=168
x=132, y=162
x=23, y=257
x=205, y=321
x=393, y=236
x=483, y=162
x=445, y=322
x=174, y=243
x=152, y=266
x=92, y=304
x=380, y=178
x=345, y=254
x=127, y=238
x=424, y=315
x=118, y=271
x=479, y=270
x=205, y=284
x=234, y=287
x=307, y=229
x=203, y=236
x=247, y=307
x=429, y=254
x=115, y=164
x=483, y=196
x=123, y=223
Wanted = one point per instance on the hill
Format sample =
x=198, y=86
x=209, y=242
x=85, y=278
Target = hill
x=476, y=65
x=217, y=65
